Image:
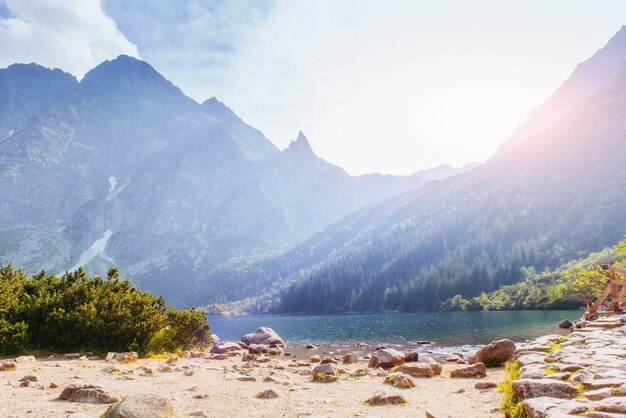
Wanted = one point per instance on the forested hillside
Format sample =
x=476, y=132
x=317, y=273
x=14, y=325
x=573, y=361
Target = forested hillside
x=556, y=197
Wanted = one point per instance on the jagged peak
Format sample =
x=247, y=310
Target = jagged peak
x=218, y=109
x=300, y=145
x=35, y=70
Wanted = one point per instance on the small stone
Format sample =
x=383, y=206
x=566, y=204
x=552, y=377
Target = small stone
x=201, y=396
x=53, y=385
x=267, y=394
x=246, y=378
x=7, y=367
x=328, y=360
x=485, y=385
x=400, y=380
x=29, y=378
x=384, y=398
x=172, y=360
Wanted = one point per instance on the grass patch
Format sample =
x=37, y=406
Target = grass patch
x=511, y=405
x=550, y=370
x=555, y=347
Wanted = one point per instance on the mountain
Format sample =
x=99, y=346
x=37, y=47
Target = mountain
x=588, y=76
x=443, y=171
x=123, y=169
x=555, y=197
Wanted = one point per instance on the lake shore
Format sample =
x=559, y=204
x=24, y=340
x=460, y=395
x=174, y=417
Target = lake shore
x=218, y=388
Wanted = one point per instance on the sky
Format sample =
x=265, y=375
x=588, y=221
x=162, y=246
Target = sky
x=377, y=86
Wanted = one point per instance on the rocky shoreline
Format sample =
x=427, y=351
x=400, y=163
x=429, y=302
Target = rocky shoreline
x=583, y=374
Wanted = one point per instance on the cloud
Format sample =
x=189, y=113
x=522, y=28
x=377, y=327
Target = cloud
x=74, y=35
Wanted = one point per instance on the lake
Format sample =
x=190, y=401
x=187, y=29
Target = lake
x=442, y=328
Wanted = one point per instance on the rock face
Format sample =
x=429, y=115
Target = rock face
x=88, y=394
x=265, y=336
x=417, y=370
x=475, y=370
x=494, y=353
x=536, y=388
x=386, y=358
x=325, y=373
x=142, y=406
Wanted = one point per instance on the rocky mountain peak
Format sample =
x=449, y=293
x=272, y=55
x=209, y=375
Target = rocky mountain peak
x=300, y=146
x=218, y=109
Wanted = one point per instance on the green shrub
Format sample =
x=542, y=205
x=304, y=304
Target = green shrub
x=78, y=313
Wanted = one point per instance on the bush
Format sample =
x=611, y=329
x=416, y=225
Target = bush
x=78, y=313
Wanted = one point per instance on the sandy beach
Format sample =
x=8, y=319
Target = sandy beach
x=220, y=388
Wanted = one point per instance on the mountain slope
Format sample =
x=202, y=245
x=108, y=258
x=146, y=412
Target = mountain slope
x=588, y=76
x=557, y=196
x=122, y=168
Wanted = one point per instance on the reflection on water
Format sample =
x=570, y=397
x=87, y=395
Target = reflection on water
x=443, y=328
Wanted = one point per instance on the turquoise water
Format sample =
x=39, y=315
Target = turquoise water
x=443, y=328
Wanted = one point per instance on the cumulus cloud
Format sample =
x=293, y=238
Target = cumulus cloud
x=74, y=35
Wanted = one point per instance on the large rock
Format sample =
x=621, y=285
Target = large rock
x=543, y=407
x=495, y=353
x=265, y=336
x=386, y=358
x=123, y=357
x=88, y=394
x=532, y=388
x=417, y=370
x=257, y=349
x=141, y=405
x=350, y=358
x=214, y=339
x=475, y=370
x=325, y=373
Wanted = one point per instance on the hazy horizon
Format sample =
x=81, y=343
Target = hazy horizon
x=393, y=88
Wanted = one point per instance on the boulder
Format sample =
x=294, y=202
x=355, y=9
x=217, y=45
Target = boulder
x=249, y=357
x=122, y=357
x=495, y=353
x=7, y=367
x=325, y=373
x=257, y=349
x=411, y=356
x=400, y=380
x=275, y=351
x=565, y=324
x=26, y=359
x=265, y=336
x=417, y=370
x=267, y=394
x=475, y=370
x=532, y=388
x=550, y=407
x=328, y=360
x=436, y=366
x=142, y=405
x=384, y=398
x=72, y=356
x=386, y=358
x=225, y=347
x=350, y=358
x=214, y=339
x=88, y=394
x=615, y=405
